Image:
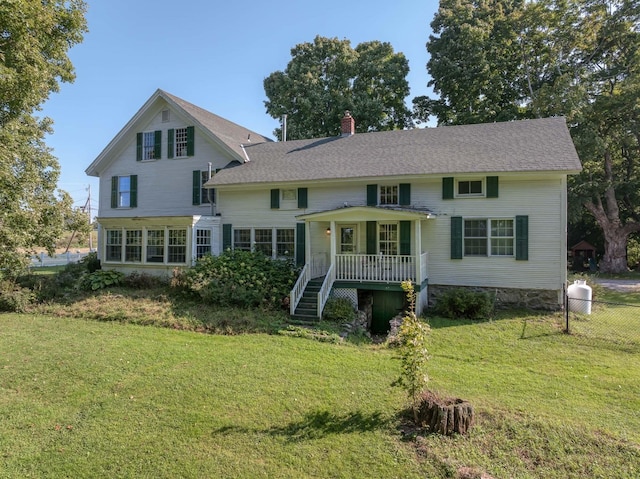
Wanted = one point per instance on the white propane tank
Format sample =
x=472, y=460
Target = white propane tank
x=579, y=294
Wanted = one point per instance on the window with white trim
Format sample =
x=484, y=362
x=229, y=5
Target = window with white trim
x=242, y=239
x=285, y=242
x=177, y=246
x=263, y=239
x=388, y=195
x=469, y=188
x=207, y=195
x=489, y=237
x=155, y=246
x=203, y=242
x=388, y=238
x=181, y=142
x=133, y=246
x=124, y=191
x=148, y=145
x=113, y=245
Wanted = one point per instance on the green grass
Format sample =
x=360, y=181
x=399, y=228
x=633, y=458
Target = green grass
x=86, y=398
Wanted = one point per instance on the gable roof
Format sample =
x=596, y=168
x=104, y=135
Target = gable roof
x=228, y=135
x=517, y=146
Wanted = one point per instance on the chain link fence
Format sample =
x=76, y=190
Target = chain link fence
x=603, y=321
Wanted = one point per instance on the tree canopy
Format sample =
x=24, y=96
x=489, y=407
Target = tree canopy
x=499, y=60
x=34, y=40
x=328, y=76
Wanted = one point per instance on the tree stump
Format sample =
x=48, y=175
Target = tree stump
x=445, y=415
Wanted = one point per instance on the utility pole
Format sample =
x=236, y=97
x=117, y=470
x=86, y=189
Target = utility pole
x=90, y=225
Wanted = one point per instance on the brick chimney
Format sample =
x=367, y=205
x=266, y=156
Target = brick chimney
x=348, y=124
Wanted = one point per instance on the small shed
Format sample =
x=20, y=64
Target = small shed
x=584, y=249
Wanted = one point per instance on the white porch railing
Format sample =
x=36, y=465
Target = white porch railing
x=323, y=294
x=298, y=288
x=377, y=268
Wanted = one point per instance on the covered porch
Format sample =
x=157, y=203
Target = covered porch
x=360, y=246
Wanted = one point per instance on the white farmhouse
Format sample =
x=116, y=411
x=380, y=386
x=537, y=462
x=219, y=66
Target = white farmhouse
x=479, y=206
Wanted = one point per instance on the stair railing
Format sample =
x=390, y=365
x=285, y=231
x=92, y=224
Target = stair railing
x=323, y=294
x=298, y=289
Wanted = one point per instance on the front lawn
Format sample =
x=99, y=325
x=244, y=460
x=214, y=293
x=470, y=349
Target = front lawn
x=86, y=398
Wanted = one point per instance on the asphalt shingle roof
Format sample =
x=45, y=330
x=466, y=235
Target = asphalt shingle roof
x=517, y=146
x=231, y=134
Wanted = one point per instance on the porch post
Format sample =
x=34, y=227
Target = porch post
x=307, y=242
x=418, y=251
x=332, y=243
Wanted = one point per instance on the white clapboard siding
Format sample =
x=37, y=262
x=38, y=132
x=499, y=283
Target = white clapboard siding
x=164, y=185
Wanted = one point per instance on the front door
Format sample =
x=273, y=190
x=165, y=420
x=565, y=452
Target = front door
x=348, y=240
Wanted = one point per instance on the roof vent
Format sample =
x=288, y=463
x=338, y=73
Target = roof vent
x=348, y=124
x=165, y=116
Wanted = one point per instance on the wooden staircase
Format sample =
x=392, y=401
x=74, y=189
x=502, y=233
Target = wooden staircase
x=307, y=309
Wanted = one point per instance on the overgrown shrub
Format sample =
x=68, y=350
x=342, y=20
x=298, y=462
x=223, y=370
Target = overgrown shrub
x=14, y=298
x=239, y=278
x=137, y=280
x=91, y=262
x=463, y=303
x=100, y=279
x=339, y=310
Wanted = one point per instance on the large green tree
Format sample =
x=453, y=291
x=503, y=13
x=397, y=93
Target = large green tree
x=328, y=76
x=35, y=36
x=499, y=60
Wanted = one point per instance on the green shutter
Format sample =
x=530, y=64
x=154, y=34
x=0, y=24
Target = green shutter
x=139, y=147
x=492, y=186
x=133, y=194
x=522, y=238
x=372, y=195
x=456, y=237
x=226, y=237
x=405, y=194
x=190, y=141
x=405, y=237
x=196, y=187
x=157, y=145
x=170, y=137
x=302, y=197
x=372, y=240
x=114, y=191
x=447, y=188
x=275, y=199
x=300, y=244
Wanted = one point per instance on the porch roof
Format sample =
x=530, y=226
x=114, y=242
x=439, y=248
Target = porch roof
x=364, y=213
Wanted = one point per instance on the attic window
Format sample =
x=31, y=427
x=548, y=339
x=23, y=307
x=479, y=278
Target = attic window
x=470, y=188
x=165, y=116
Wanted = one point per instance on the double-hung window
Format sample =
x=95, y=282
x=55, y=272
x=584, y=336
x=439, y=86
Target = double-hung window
x=148, y=145
x=114, y=245
x=181, y=142
x=488, y=237
x=155, y=246
x=388, y=195
x=203, y=242
x=207, y=195
x=177, y=247
x=242, y=239
x=470, y=188
x=263, y=240
x=133, y=246
x=388, y=238
x=285, y=242
x=124, y=191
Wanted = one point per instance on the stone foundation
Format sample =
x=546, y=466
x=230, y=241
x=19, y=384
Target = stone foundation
x=536, y=299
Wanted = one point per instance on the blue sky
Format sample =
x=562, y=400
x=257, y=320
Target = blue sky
x=213, y=54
